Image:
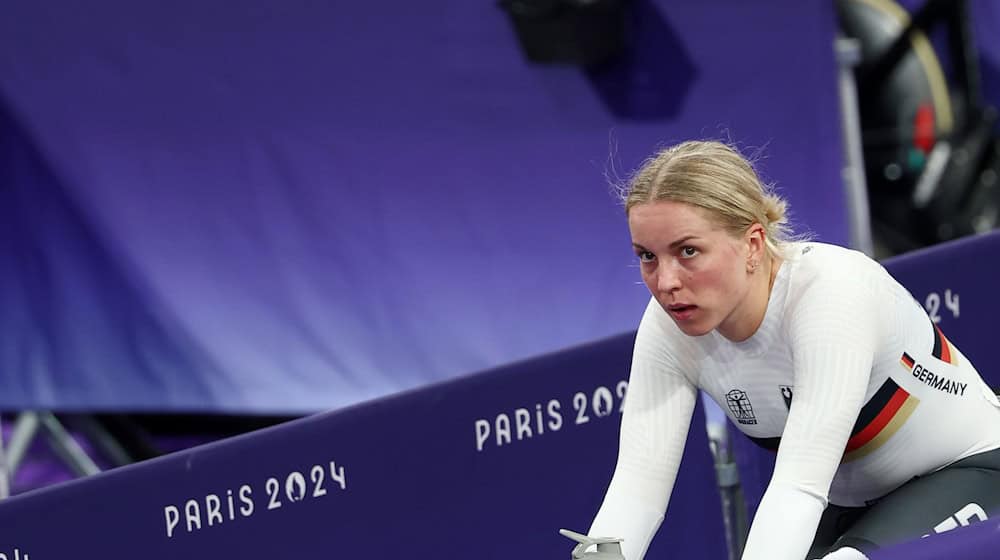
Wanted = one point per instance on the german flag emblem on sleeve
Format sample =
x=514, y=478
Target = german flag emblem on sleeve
x=943, y=350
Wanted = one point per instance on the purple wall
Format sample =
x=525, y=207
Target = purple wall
x=254, y=207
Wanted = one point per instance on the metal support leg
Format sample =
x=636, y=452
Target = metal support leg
x=103, y=441
x=734, y=511
x=733, y=504
x=848, y=57
x=25, y=428
x=66, y=447
x=4, y=481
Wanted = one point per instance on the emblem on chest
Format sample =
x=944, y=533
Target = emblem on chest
x=739, y=405
x=786, y=394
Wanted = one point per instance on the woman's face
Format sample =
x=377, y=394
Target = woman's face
x=696, y=270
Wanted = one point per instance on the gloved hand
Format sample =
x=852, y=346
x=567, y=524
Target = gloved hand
x=607, y=548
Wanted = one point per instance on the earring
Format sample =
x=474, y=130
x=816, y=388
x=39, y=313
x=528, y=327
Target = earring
x=753, y=266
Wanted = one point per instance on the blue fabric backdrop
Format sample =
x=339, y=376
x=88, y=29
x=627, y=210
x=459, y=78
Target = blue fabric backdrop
x=289, y=207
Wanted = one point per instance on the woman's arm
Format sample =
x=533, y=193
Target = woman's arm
x=834, y=329
x=654, y=429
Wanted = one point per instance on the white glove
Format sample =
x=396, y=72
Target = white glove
x=607, y=548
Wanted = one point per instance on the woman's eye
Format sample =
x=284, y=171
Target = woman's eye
x=646, y=256
x=688, y=252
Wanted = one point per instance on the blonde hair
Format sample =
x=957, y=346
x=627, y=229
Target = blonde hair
x=715, y=177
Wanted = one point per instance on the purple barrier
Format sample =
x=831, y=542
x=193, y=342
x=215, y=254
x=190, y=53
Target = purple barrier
x=488, y=466
x=975, y=542
x=956, y=283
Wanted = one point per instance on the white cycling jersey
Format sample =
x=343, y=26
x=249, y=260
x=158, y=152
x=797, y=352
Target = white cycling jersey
x=846, y=371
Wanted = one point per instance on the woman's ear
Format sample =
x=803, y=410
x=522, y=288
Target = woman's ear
x=756, y=240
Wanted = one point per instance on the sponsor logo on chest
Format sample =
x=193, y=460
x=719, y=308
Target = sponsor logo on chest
x=786, y=395
x=739, y=405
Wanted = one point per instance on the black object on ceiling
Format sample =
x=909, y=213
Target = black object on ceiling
x=571, y=32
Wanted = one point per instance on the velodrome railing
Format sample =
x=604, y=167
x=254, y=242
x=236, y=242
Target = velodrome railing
x=487, y=466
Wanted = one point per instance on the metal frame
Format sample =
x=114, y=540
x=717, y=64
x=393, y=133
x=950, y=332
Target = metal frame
x=848, y=55
x=26, y=428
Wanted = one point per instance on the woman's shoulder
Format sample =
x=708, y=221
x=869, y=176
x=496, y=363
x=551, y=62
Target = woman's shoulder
x=819, y=255
x=812, y=262
x=820, y=273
